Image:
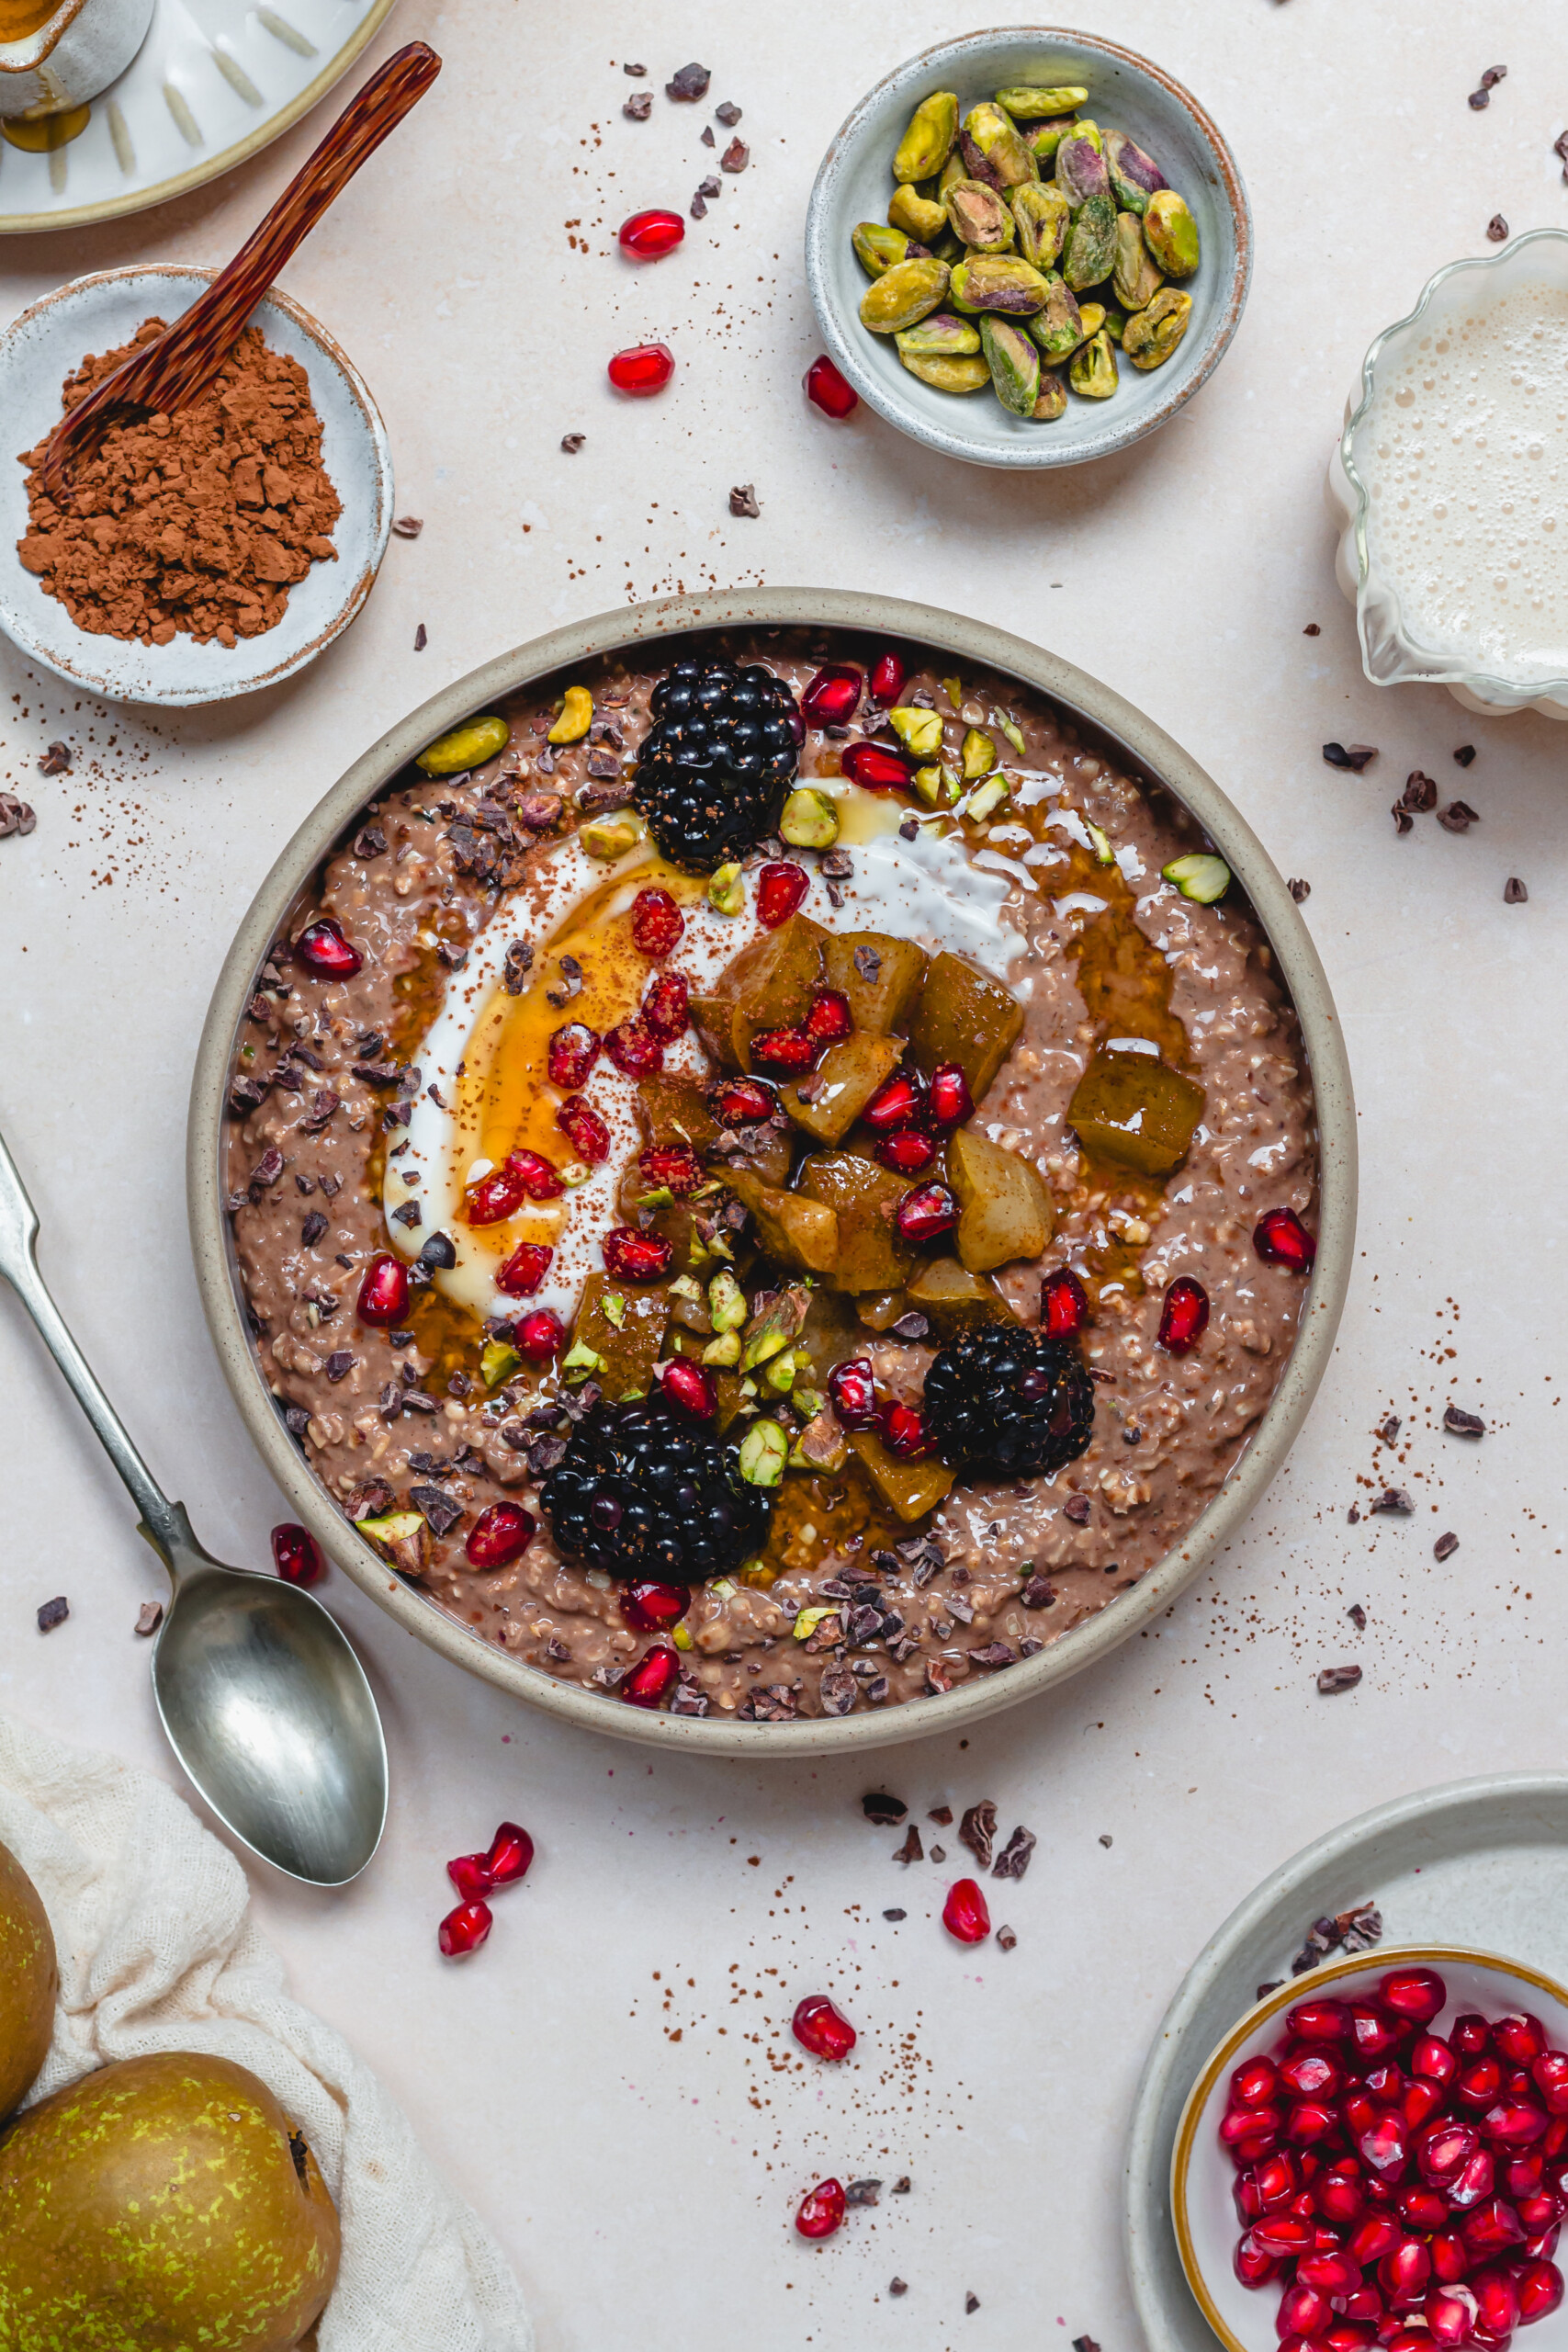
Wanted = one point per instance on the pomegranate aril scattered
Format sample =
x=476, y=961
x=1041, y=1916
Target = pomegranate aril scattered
x=1416, y=1994
x=1496, y=2300
x=539, y=1336
x=572, y=1053
x=1253, y=2266
x=1549, y=2074
x=636, y=1256
x=827, y=389
x=1420, y=2101
x=852, y=1389
x=322, y=949
x=469, y=1873
x=742, y=1102
x=1525, y=2176
x=1542, y=2248
x=670, y=1168
x=584, y=1130
x=1423, y=2209
x=896, y=1103
x=657, y=924
x=536, y=1174
x=501, y=1534
x=1449, y=2313
x=691, y=1386
x=1514, y=2123
x=651, y=1679
x=830, y=1020
x=1312, y=2073
x=965, y=1913
x=903, y=1431
x=521, y=1277
x=1339, y=2198
x=464, y=1930
x=1538, y=2211
x=1302, y=2309
x=948, y=1103
x=649, y=236
x=296, y=1555
x=1309, y=2121
x=1384, y=2145
x=926, y=1213
x=1478, y=2084
x=1444, y=2151
x=634, y=1049
x=1373, y=2238
x=1328, y=2274
x=646, y=368
x=781, y=888
x=821, y=2210
x=1471, y=2035
x=1539, y=2286
x=384, y=1293
x=818, y=2027
x=1431, y=2057
x=1184, y=1316
x=1372, y=2033
x=789, y=1051
x=654, y=1608
x=907, y=1151
x=666, y=1007
x=1348, y=2335
x=1319, y=2021
x=833, y=697
x=1064, y=1304
x=511, y=1852
x=875, y=768
x=1358, y=2109
x=1450, y=2256
x=1286, y=2236
x=1519, y=2037
x=1404, y=2272
x=498, y=1196
x=1474, y=2182
x=1491, y=2228
x=1282, y=1239
x=887, y=676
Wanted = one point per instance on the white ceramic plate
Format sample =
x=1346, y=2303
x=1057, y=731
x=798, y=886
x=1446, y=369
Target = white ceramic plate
x=38, y=351
x=1126, y=92
x=1482, y=1863
x=211, y=84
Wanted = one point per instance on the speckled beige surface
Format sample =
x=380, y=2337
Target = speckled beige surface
x=615, y=2163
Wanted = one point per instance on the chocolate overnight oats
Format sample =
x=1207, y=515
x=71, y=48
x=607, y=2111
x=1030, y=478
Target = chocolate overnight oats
x=772, y=1184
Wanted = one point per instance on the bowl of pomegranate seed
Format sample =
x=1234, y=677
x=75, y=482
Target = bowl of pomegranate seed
x=1377, y=2155
x=1028, y=248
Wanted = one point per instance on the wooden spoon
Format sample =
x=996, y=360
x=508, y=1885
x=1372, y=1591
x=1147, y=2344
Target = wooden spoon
x=188, y=357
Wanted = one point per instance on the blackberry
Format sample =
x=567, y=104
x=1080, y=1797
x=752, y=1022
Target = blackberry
x=647, y=1490
x=716, y=763
x=1008, y=1404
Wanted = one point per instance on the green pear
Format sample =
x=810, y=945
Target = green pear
x=163, y=2203
x=29, y=1977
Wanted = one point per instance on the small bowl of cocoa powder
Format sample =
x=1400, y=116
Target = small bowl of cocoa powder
x=201, y=555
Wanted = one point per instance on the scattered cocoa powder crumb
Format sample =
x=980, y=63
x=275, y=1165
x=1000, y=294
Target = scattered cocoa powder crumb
x=637, y=110
x=56, y=761
x=883, y=1809
x=1514, y=892
x=1105, y=1838
x=1298, y=889
x=743, y=500
x=1465, y=753
x=1358, y=1616
x=52, y=1613
x=16, y=816
x=941, y=1813
x=911, y=1850
x=1498, y=230
x=1006, y=1940
x=420, y=638
x=407, y=527
x=1312, y=630
x=149, y=1617
x=1445, y=1547
x=1335, y=1678
x=897, y=2286
x=972, y=2302
x=199, y=523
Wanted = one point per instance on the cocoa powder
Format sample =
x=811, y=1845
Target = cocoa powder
x=199, y=522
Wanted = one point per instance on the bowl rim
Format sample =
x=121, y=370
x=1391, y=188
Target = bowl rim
x=1150, y=754
x=1041, y=454
x=377, y=437
x=1378, y=1962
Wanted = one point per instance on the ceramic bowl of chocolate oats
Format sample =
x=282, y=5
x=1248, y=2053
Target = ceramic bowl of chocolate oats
x=773, y=1172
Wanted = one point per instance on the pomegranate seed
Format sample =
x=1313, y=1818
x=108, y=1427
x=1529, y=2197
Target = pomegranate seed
x=903, y=1431
x=821, y=2210
x=1246, y=2197
x=887, y=676
x=1309, y=2121
x=469, y=1873
x=1550, y=2074
x=780, y=887
x=649, y=236
x=384, y=1293
x=1431, y=2056
x=1406, y=2339
x=948, y=1101
x=500, y=1194
x=1405, y=2270
x=657, y=924
x=1358, y=2110
x=900, y=1100
x=1421, y=2101
x=1282, y=1239
x=666, y=1007
x=1539, y=2286
x=743, y=1101
x=297, y=1556
x=1425, y=2209
x=1319, y=2021
x=690, y=1386
x=1314, y=2074
x=539, y=1336
x=634, y=1048
x=464, y=1930
x=537, y=1175
x=1183, y=1316
x=852, y=1389
x=965, y=1915
x=671, y=1168
x=1525, y=2176
x=1539, y=2211
x=654, y=1608
x=1372, y=2033
x=1386, y=2085
x=1414, y=1994
x=1478, y=2084
x=1339, y=2198
x=1063, y=1311
x=1253, y=2266
x=926, y=1213
x=584, y=1130
x=636, y=1256
x=907, y=1152
x=1496, y=2301
x=1329, y=2273
x=875, y=768
x=511, y=1852
x=646, y=368
x=322, y=949
x=1364, y=2304
x=1255, y=2147
x=1384, y=2145
x=1344, y=2335
x=1444, y=2151
x=501, y=1534
x=521, y=1277
x=833, y=697
x=789, y=1051
x=1374, y=2237
x=1284, y=2236
x=1474, y=2181
x=1556, y=2138
x=818, y=2027
x=827, y=389
x=652, y=1678
x=829, y=1019
x=1491, y=2227
x=1542, y=2248
x=1450, y=2256
x=1303, y=2310
x=1519, y=2037
x=1471, y=2035
x=572, y=1051
x=1449, y=2313
x=1514, y=2123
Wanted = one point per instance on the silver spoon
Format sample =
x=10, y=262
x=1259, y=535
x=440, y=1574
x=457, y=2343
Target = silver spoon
x=264, y=1701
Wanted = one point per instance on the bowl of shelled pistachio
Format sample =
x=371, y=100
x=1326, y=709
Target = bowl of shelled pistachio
x=1028, y=248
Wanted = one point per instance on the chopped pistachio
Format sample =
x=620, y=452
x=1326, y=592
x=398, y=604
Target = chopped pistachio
x=580, y=1361
x=1202, y=876
x=764, y=1450
x=726, y=1302
x=918, y=730
x=985, y=797
x=806, y=1624
x=939, y=785
x=809, y=820
x=576, y=717
x=780, y=1373
x=498, y=1363
x=723, y=1351
x=726, y=892
x=609, y=837
x=681, y=1638
x=954, y=691
x=979, y=755
x=1103, y=851
x=613, y=1307
x=1013, y=732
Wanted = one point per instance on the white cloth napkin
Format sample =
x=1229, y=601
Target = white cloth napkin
x=157, y=1951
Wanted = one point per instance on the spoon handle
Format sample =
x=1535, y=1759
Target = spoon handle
x=162, y=1522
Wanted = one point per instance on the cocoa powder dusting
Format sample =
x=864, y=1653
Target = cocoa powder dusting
x=200, y=522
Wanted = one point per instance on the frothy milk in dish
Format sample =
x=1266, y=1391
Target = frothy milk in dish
x=1464, y=451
